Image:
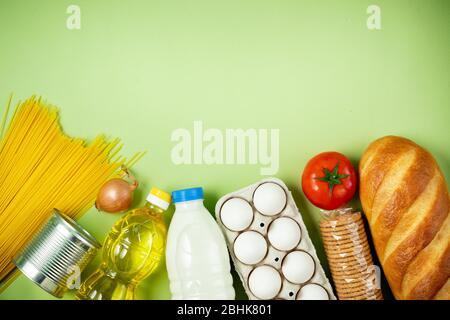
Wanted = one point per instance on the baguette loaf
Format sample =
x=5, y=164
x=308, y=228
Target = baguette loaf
x=406, y=201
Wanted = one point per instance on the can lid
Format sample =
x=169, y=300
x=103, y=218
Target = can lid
x=159, y=198
x=76, y=230
x=187, y=194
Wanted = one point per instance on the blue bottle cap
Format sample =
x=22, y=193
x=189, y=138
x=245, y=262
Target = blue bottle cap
x=187, y=194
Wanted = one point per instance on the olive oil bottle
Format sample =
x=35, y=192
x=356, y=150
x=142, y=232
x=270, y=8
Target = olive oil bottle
x=131, y=251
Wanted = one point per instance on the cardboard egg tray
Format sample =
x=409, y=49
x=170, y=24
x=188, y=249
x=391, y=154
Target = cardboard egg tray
x=296, y=283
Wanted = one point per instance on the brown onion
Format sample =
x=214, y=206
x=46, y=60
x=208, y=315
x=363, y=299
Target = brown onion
x=116, y=195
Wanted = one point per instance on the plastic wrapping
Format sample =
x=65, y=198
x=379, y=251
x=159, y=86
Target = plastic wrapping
x=354, y=275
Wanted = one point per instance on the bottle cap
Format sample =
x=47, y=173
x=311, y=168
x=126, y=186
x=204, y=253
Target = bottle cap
x=187, y=194
x=159, y=198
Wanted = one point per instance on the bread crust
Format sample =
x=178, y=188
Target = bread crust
x=405, y=199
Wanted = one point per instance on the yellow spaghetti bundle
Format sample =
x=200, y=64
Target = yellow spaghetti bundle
x=42, y=169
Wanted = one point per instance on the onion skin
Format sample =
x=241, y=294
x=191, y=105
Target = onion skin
x=116, y=195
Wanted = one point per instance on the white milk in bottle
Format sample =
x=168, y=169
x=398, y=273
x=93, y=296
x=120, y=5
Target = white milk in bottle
x=197, y=258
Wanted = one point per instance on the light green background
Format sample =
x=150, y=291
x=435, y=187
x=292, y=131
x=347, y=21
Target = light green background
x=140, y=69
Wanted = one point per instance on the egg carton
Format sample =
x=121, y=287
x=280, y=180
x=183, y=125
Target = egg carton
x=270, y=245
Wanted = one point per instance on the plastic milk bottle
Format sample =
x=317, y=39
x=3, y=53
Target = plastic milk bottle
x=197, y=257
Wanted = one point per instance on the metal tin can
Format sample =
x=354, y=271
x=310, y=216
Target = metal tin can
x=57, y=252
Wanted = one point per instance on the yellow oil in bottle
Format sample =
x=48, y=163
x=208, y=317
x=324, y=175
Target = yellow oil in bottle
x=131, y=252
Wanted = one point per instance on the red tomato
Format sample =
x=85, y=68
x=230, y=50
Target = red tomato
x=329, y=180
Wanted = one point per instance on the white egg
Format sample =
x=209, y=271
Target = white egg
x=250, y=247
x=298, y=267
x=236, y=214
x=264, y=282
x=284, y=234
x=312, y=291
x=269, y=199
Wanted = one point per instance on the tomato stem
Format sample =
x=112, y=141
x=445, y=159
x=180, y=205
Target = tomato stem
x=332, y=177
